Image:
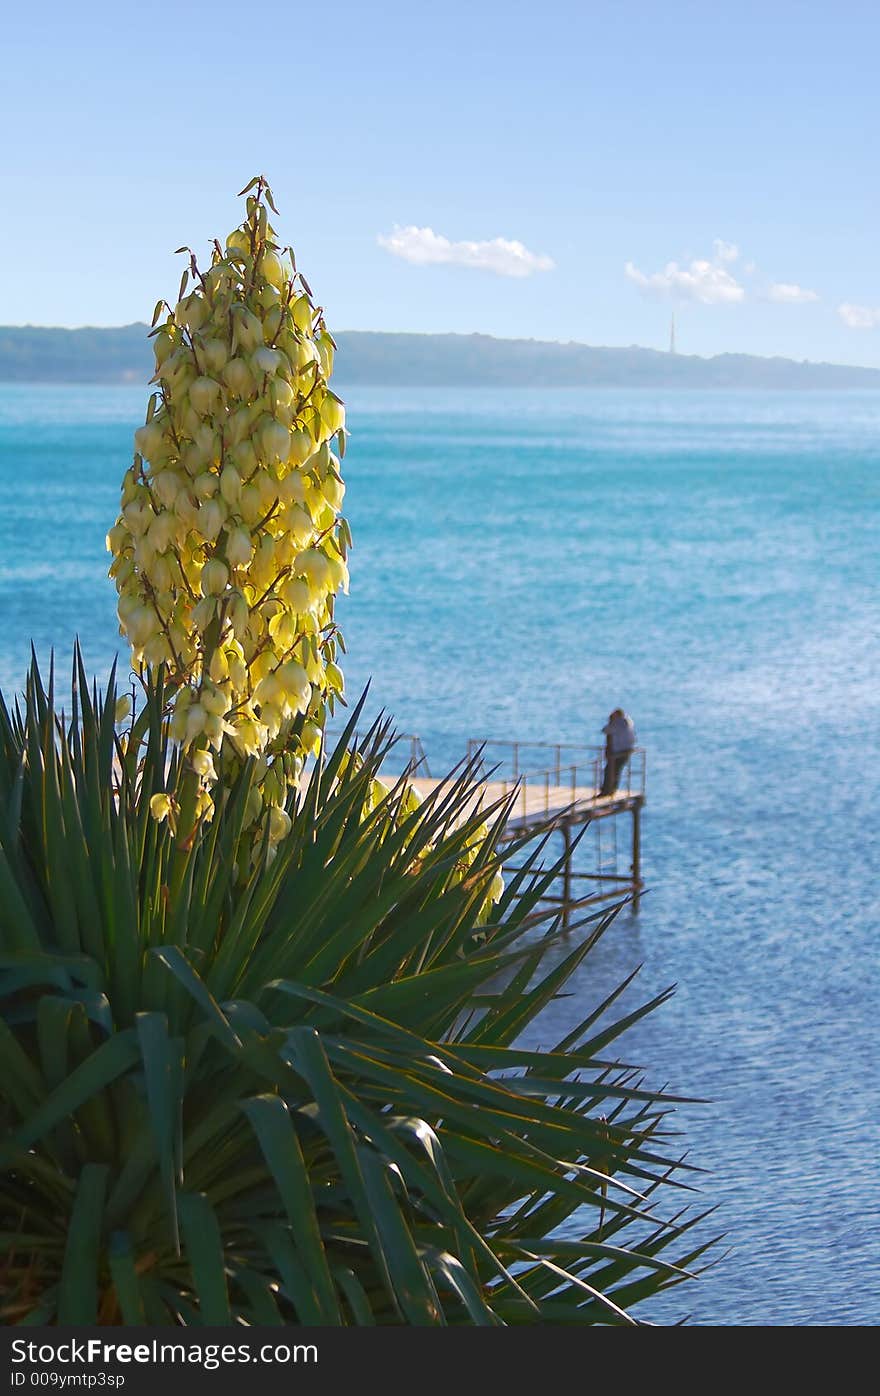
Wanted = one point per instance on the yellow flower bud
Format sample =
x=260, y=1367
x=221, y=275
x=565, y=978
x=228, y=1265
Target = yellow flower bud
x=249, y=505
x=266, y=360
x=126, y=606
x=230, y=485
x=332, y=413
x=302, y=353
x=238, y=672
x=167, y=485
x=160, y=534
x=214, y=729
x=267, y=690
x=294, y=680
x=148, y=439
x=282, y=628
x=294, y=592
x=238, y=547
x=302, y=314
x=239, y=615
x=275, y=440
x=311, y=738
x=272, y=267
x=313, y=564
x=203, y=765
x=301, y=447
x=333, y=491
x=203, y=613
x=338, y=574
x=248, y=329
x=215, y=353
x=325, y=351
x=117, y=538
x=280, y=824
x=160, y=807
x=291, y=490
x=205, y=486
x=263, y=563
x=298, y=525
x=203, y=393
x=214, y=701
x=207, y=443
x=262, y=665
x=285, y=550
x=192, y=311
x=195, y=722
x=161, y=574
x=137, y=517
x=215, y=575
x=219, y=666
x=164, y=344
x=211, y=517
x=267, y=488
x=282, y=394
x=123, y=708
x=141, y=625
x=186, y=509
x=272, y=718
x=238, y=378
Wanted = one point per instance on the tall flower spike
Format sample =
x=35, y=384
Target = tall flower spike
x=230, y=547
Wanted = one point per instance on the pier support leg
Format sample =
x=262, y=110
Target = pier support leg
x=637, y=858
x=566, y=876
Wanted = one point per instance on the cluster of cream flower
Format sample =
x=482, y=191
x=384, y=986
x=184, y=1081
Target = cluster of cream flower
x=230, y=548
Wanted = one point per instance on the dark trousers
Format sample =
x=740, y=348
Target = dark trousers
x=615, y=764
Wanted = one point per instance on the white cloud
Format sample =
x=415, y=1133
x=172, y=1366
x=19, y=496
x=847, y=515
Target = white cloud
x=725, y=251
x=859, y=317
x=503, y=256
x=709, y=282
x=787, y=293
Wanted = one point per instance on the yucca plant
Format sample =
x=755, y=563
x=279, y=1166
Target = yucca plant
x=293, y=1093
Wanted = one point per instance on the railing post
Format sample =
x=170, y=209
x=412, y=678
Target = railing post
x=637, y=858
x=558, y=760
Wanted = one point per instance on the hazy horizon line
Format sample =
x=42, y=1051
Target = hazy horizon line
x=502, y=339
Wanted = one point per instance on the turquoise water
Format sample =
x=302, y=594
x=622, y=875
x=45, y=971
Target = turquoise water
x=525, y=562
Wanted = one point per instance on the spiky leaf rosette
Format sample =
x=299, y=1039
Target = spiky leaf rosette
x=230, y=548
x=304, y=1097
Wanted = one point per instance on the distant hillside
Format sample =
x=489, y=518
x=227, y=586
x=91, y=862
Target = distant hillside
x=31, y=354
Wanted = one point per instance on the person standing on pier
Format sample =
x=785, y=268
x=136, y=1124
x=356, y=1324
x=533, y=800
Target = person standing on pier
x=620, y=739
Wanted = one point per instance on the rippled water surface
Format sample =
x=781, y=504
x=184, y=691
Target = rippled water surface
x=526, y=561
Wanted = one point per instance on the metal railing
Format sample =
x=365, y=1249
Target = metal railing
x=573, y=774
x=548, y=776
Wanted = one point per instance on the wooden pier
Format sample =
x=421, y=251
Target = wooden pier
x=558, y=787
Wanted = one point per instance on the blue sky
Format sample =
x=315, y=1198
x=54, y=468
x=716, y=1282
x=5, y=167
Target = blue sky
x=720, y=160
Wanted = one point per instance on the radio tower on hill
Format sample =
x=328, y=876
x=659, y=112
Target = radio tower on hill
x=672, y=334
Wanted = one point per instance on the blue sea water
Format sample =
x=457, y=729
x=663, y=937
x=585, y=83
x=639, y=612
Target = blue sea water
x=524, y=562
